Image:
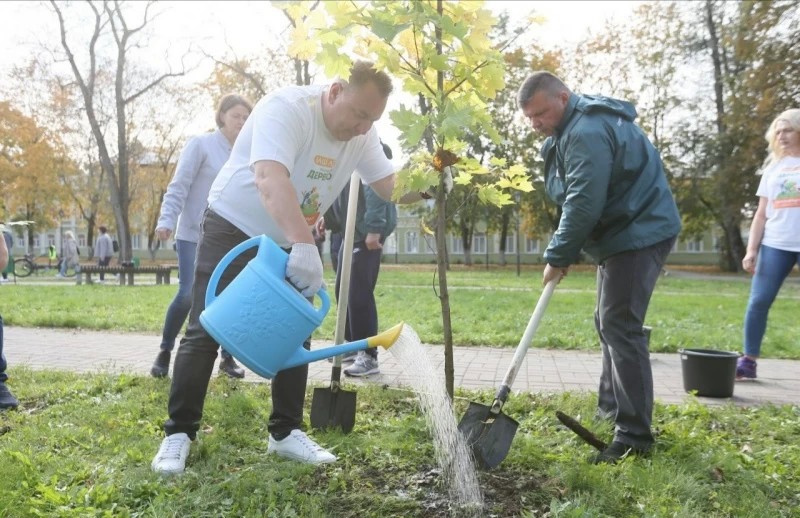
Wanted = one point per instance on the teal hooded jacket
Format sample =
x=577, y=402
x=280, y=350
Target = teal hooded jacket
x=608, y=178
x=374, y=215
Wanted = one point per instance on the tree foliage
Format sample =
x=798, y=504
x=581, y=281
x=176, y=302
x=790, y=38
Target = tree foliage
x=442, y=54
x=29, y=163
x=750, y=56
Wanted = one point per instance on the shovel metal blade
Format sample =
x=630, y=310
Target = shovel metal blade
x=333, y=409
x=489, y=435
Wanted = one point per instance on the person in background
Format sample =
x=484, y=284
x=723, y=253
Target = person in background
x=336, y=245
x=773, y=248
x=290, y=162
x=616, y=204
x=103, y=249
x=52, y=256
x=319, y=240
x=376, y=219
x=70, y=254
x=182, y=209
x=9, y=242
x=7, y=399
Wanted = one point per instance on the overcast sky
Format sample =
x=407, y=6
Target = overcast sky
x=247, y=26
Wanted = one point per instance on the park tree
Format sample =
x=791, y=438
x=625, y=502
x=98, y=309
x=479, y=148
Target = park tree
x=56, y=106
x=29, y=162
x=124, y=26
x=252, y=76
x=749, y=52
x=442, y=54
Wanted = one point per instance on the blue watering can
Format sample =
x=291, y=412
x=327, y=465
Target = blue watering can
x=262, y=320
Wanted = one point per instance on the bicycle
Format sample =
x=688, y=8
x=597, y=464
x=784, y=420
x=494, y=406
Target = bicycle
x=24, y=266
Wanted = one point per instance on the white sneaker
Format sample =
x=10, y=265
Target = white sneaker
x=171, y=456
x=298, y=446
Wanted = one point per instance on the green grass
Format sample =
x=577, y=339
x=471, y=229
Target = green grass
x=83, y=445
x=488, y=307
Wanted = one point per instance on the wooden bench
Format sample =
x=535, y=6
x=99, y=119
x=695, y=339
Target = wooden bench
x=126, y=273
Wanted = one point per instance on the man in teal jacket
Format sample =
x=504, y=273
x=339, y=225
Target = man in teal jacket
x=616, y=205
x=376, y=219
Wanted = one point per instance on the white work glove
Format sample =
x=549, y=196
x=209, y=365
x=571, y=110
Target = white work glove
x=304, y=268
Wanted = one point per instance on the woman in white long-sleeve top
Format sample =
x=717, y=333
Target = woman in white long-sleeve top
x=183, y=206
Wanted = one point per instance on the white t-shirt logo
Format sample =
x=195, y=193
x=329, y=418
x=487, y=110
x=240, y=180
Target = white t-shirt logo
x=310, y=205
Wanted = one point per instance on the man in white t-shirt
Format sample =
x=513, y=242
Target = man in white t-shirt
x=292, y=158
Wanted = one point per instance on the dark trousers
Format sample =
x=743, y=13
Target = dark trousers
x=194, y=361
x=362, y=312
x=625, y=283
x=3, y=364
x=336, y=244
x=103, y=261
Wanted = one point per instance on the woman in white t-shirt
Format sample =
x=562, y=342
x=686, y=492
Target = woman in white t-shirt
x=774, y=244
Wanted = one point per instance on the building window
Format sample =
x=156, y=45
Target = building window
x=36, y=242
x=81, y=239
x=694, y=246
x=51, y=239
x=412, y=242
x=135, y=240
x=511, y=244
x=479, y=244
x=531, y=246
x=21, y=242
x=457, y=246
x=390, y=245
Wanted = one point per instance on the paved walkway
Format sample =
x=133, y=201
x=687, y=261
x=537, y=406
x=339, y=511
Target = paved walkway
x=545, y=371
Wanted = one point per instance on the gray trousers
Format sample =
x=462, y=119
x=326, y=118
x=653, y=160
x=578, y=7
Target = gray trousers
x=625, y=283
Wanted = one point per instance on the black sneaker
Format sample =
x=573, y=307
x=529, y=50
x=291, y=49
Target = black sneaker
x=231, y=368
x=618, y=451
x=160, y=368
x=7, y=399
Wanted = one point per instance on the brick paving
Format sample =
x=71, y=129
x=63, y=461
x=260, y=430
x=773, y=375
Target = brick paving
x=543, y=371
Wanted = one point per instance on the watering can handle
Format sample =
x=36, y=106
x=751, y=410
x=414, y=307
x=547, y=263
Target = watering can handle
x=211, y=291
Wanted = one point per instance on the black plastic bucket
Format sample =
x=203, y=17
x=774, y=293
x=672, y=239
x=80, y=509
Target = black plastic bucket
x=711, y=373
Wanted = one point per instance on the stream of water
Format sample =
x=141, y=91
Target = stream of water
x=452, y=453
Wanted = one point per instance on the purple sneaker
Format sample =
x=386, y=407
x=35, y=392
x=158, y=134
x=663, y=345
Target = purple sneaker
x=745, y=368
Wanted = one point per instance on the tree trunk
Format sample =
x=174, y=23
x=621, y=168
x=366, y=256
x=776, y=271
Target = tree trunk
x=733, y=247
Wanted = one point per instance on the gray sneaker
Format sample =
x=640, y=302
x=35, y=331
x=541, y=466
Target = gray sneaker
x=364, y=365
x=229, y=366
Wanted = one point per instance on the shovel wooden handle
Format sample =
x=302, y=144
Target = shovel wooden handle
x=343, y=296
x=580, y=431
x=525, y=341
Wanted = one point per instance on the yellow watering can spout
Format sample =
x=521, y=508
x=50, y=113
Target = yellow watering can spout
x=387, y=338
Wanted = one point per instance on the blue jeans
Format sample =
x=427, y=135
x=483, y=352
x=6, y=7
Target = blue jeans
x=63, y=271
x=772, y=268
x=625, y=283
x=178, y=310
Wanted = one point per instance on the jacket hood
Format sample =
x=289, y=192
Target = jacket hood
x=592, y=103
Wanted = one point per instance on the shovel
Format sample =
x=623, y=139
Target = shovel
x=487, y=430
x=335, y=407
